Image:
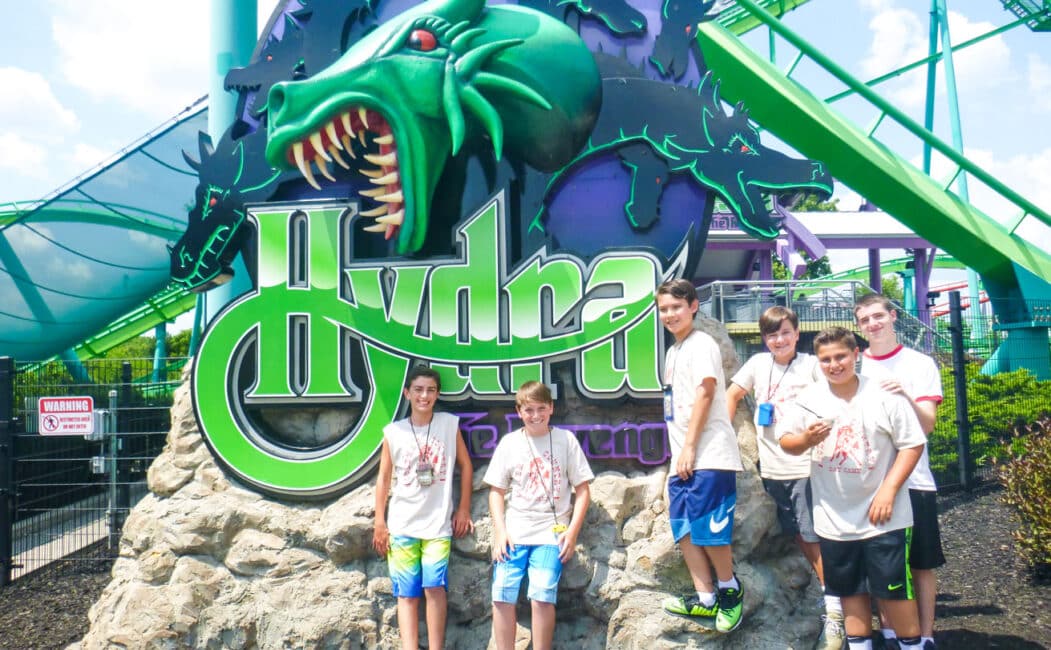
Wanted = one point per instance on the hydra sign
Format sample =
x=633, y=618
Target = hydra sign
x=318, y=316
x=523, y=174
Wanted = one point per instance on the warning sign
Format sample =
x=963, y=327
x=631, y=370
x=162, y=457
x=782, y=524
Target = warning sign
x=66, y=416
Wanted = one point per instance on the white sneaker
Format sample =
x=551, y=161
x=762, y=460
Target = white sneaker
x=833, y=634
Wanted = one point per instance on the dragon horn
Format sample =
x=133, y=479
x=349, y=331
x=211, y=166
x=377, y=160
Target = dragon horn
x=455, y=11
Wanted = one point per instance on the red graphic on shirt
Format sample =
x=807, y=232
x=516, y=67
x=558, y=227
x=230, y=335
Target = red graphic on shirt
x=852, y=451
x=433, y=452
x=539, y=478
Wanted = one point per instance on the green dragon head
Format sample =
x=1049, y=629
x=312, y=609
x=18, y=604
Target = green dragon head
x=422, y=83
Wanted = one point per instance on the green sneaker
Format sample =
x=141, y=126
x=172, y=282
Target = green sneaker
x=689, y=605
x=731, y=609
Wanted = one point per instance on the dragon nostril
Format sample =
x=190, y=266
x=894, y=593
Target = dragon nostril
x=276, y=99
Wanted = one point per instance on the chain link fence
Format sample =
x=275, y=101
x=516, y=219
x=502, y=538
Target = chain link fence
x=72, y=492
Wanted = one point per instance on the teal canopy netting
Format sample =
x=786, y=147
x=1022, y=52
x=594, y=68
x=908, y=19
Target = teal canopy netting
x=95, y=249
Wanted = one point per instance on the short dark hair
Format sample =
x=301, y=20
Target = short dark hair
x=680, y=288
x=772, y=318
x=423, y=371
x=870, y=299
x=835, y=334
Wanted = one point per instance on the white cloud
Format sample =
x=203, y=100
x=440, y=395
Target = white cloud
x=22, y=156
x=30, y=105
x=150, y=56
x=900, y=36
x=85, y=156
x=1040, y=82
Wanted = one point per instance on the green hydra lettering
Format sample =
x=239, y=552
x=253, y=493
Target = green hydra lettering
x=336, y=317
x=421, y=84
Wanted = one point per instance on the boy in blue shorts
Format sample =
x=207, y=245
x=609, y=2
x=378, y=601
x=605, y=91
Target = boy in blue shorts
x=702, y=487
x=863, y=443
x=535, y=530
x=419, y=453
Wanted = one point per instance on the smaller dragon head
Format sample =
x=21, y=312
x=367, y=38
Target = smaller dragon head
x=411, y=92
x=201, y=258
x=742, y=170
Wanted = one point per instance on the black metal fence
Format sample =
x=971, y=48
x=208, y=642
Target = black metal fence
x=65, y=493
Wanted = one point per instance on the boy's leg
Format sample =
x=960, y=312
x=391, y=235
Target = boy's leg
x=890, y=580
x=701, y=511
x=437, y=606
x=435, y=565
x=507, y=579
x=698, y=565
x=845, y=577
x=925, y=555
x=404, y=562
x=545, y=571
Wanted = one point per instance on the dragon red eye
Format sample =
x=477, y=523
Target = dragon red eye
x=744, y=148
x=422, y=40
x=212, y=202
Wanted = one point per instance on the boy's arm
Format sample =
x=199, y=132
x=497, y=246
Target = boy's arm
x=380, y=534
x=798, y=442
x=502, y=544
x=734, y=395
x=882, y=506
x=567, y=541
x=462, y=523
x=926, y=410
x=698, y=417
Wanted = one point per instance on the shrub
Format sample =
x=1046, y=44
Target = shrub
x=998, y=404
x=1026, y=477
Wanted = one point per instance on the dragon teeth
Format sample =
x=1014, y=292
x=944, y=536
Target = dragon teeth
x=319, y=148
x=347, y=146
x=384, y=139
x=388, y=179
x=378, y=227
x=385, y=160
x=303, y=165
x=332, y=151
x=374, y=192
x=361, y=137
x=375, y=212
x=372, y=173
x=393, y=197
x=344, y=118
x=333, y=136
x=323, y=168
x=363, y=115
x=393, y=219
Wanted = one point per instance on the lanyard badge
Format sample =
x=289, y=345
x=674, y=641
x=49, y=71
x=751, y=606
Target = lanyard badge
x=669, y=412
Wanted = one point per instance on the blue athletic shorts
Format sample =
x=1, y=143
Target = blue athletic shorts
x=539, y=562
x=703, y=507
x=417, y=564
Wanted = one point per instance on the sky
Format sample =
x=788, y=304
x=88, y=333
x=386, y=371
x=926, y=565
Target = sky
x=81, y=80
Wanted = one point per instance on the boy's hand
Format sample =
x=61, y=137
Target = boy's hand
x=502, y=547
x=893, y=386
x=816, y=433
x=462, y=523
x=684, y=466
x=882, y=506
x=567, y=545
x=381, y=538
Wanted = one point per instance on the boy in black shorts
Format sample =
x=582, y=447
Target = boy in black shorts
x=863, y=443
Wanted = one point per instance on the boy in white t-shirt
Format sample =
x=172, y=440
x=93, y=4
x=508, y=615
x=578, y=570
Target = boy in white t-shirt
x=775, y=378
x=535, y=530
x=702, y=483
x=863, y=443
x=419, y=453
x=915, y=375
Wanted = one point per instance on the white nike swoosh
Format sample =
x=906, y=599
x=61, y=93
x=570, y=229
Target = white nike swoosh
x=717, y=526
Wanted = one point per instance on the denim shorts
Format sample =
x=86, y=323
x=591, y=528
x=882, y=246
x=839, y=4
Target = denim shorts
x=543, y=567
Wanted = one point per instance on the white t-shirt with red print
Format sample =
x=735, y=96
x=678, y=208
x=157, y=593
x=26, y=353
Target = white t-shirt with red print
x=919, y=376
x=848, y=467
x=538, y=472
x=415, y=510
x=778, y=384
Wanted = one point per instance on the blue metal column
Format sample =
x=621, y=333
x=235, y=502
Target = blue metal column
x=233, y=27
x=160, y=352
